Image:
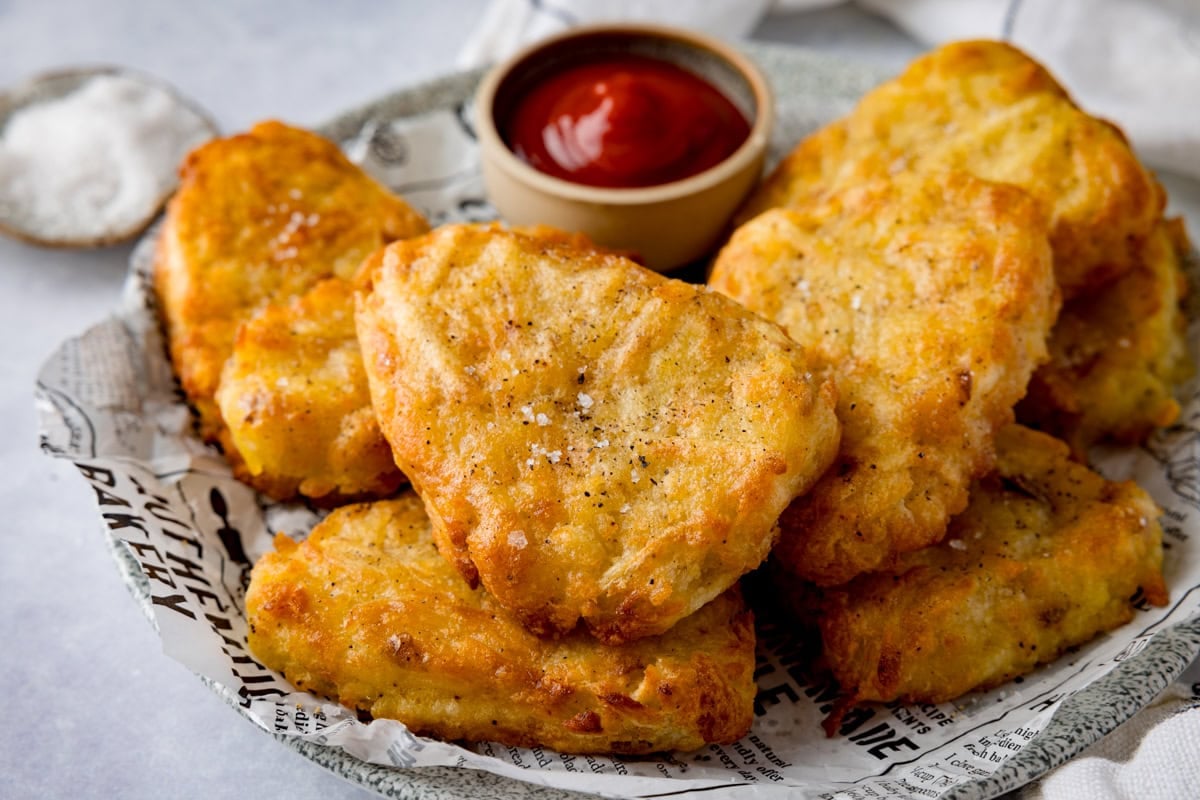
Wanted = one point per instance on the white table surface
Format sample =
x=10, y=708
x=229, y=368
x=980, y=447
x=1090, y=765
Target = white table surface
x=94, y=709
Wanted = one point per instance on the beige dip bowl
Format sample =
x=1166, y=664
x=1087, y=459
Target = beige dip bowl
x=667, y=225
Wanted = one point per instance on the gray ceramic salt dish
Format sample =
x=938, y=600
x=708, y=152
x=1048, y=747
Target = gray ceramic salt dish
x=21, y=223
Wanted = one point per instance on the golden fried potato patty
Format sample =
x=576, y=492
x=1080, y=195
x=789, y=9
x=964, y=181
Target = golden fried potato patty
x=927, y=299
x=260, y=217
x=1047, y=555
x=294, y=397
x=365, y=611
x=592, y=440
x=989, y=109
x=1117, y=353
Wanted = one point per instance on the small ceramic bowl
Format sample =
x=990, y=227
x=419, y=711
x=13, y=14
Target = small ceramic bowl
x=21, y=223
x=668, y=224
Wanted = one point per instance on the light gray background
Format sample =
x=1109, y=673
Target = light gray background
x=93, y=708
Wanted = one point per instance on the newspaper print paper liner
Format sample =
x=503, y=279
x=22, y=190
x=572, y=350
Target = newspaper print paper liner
x=184, y=533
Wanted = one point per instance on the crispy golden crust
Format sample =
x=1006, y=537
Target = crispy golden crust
x=1117, y=353
x=366, y=612
x=987, y=108
x=592, y=440
x=1047, y=555
x=927, y=299
x=580, y=241
x=260, y=217
x=294, y=397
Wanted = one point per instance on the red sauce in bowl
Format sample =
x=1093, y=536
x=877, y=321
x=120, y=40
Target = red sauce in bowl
x=623, y=122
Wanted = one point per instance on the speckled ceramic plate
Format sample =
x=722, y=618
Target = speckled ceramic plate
x=811, y=90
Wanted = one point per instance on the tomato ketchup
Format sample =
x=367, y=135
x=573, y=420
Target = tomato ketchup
x=622, y=122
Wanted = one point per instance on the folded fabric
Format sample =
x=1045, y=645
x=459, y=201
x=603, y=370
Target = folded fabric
x=508, y=25
x=1153, y=756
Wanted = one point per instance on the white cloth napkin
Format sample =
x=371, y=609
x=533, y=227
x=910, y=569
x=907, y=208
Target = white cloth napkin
x=1134, y=61
x=1153, y=756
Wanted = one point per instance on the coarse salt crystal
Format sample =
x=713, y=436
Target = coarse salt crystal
x=96, y=162
x=552, y=456
x=517, y=539
x=957, y=544
x=585, y=400
x=542, y=419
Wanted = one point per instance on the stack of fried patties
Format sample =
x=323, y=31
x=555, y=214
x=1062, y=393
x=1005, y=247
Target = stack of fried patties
x=597, y=454
x=920, y=249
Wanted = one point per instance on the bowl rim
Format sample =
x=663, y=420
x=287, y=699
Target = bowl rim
x=493, y=146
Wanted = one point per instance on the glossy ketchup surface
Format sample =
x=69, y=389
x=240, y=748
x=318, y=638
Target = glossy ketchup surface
x=624, y=121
